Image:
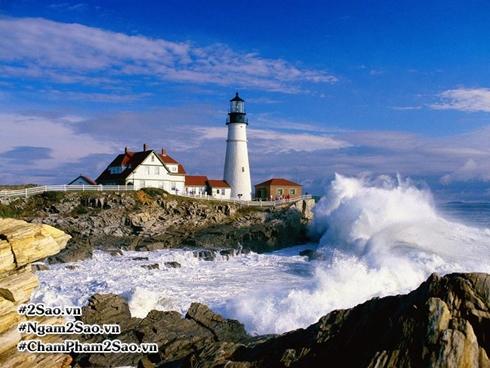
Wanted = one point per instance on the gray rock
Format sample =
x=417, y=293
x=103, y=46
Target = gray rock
x=172, y=264
x=153, y=266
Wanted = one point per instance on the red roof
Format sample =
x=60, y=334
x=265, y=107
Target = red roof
x=218, y=183
x=167, y=159
x=128, y=159
x=181, y=170
x=279, y=181
x=195, y=181
x=131, y=160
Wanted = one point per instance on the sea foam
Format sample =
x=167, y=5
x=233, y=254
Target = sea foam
x=378, y=237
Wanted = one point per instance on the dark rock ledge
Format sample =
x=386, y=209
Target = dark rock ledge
x=443, y=323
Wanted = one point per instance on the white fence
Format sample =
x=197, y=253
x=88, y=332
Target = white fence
x=256, y=203
x=63, y=188
x=27, y=192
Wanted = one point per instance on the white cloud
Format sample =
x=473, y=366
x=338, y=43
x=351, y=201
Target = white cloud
x=74, y=53
x=464, y=99
x=56, y=134
x=273, y=141
x=470, y=170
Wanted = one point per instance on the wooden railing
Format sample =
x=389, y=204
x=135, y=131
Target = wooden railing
x=27, y=192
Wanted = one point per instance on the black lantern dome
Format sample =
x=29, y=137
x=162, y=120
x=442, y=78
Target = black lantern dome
x=237, y=111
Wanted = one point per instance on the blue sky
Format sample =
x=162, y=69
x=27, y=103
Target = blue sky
x=365, y=87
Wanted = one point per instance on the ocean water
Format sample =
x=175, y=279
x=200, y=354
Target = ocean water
x=377, y=237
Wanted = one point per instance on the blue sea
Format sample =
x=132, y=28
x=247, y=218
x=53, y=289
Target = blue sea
x=472, y=213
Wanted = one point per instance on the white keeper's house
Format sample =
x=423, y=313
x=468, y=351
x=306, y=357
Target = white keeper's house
x=144, y=169
x=152, y=169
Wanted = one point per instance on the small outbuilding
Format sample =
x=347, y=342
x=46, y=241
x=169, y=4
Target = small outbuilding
x=278, y=188
x=82, y=180
x=219, y=189
x=196, y=185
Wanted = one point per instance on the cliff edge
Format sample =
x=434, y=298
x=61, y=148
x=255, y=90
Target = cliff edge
x=151, y=219
x=21, y=244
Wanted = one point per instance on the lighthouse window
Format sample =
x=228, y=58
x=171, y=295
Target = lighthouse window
x=243, y=169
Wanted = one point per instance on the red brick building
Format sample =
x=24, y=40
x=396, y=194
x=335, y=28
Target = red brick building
x=278, y=188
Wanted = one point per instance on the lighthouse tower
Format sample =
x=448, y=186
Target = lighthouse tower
x=237, y=170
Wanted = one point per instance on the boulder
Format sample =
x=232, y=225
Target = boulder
x=172, y=264
x=222, y=329
x=153, y=266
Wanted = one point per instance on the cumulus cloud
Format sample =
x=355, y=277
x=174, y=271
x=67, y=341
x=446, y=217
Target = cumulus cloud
x=464, y=99
x=470, y=170
x=75, y=53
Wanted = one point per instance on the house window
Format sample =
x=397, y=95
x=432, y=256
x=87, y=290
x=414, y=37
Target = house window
x=280, y=191
x=152, y=158
x=148, y=170
x=217, y=191
x=292, y=191
x=157, y=170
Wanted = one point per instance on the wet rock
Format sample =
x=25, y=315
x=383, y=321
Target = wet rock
x=172, y=264
x=115, y=252
x=39, y=267
x=153, y=266
x=106, y=308
x=312, y=254
x=205, y=255
x=222, y=329
x=139, y=258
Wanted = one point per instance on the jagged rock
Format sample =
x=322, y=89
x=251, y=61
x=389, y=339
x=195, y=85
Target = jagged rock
x=135, y=221
x=20, y=244
x=115, y=252
x=28, y=242
x=222, y=329
x=311, y=254
x=205, y=255
x=172, y=264
x=443, y=323
x=140, y=258
x=39, y=267
x=106, y=308
x=153, y=266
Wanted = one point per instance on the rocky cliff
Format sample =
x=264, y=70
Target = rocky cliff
x=21, y=244
x=443, y=323
x=151, y=219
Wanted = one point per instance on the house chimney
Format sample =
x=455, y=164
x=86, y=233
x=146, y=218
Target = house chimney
x=126, y=149
x=145, y=147
x=164, y=152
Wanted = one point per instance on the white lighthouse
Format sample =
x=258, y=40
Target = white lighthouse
x=237, y=170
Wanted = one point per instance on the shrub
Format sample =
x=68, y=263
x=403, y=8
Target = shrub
x=52, y=196
x=80, y=210
x=154, y=192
